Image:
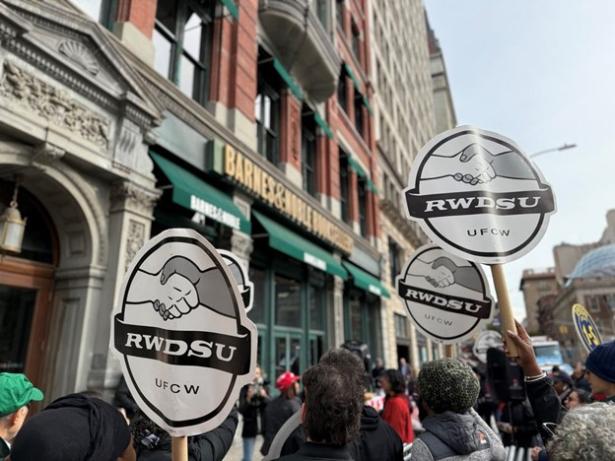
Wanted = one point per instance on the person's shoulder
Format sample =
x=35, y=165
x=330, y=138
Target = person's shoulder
x=420, y=450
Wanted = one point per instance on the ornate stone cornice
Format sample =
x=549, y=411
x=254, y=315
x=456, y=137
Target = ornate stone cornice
x=136, y=198
x=409, y=229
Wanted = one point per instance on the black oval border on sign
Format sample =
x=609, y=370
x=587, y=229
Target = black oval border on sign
x=216, y=411
x=443, y=338
x=454, y=245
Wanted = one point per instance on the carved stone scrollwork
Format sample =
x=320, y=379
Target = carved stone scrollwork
x=79, y=54
x=135, y=198
x=134, y=240
x=47, y=153
x=53, y=104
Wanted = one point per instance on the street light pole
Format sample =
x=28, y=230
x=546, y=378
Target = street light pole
x=553, y=149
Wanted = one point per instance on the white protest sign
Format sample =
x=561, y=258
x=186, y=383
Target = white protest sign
x=486, y=340
x=447, y=297
x=240, y=274
x=182, y=334
x=478, y=196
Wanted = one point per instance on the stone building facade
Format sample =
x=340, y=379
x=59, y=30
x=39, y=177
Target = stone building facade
x=249, y=121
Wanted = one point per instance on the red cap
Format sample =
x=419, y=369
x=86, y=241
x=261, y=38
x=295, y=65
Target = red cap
x=285, y=380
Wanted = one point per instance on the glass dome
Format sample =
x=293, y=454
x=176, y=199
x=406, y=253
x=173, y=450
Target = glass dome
x=597, y=263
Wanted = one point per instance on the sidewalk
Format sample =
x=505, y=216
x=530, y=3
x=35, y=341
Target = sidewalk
x=236, y=451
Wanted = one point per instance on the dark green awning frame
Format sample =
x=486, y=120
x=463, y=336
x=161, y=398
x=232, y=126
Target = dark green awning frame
x=353, y=77
x=365, y=281
x=292, y=244
x=232, y=8
x=371, y=186
x=367, y=105
x=356, y=167
x=322, y=123
x=191, y=192
x=293, y=86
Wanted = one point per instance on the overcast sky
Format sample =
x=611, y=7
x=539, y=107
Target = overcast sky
x=543, y=74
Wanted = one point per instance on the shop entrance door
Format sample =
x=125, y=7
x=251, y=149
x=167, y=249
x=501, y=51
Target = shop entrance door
x=288, y=352
x=25, y=300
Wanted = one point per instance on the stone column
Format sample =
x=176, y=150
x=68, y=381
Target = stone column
x=429, y=350
x=414, y=349
x=338, y=311
x=130, y=219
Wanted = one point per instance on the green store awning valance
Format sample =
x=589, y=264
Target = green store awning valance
x=291, y=244
x=371, y=186
x=356, y=167
x=193, y=193
x=367, y=105
x=322, y=123
x=231, y=6
x=293, y=86
x=353, y=77
x=366, y=281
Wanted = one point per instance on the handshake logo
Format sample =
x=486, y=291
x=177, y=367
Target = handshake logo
x=181, y=330
x=477, y=195
x=446, y=297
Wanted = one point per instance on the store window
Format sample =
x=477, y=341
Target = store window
x=182, y=37
x=344, y=187
x=358, y=113
x=308, y=152
x=394, y=260
x=362, y=186
x=267, y=108
x=401, y=326
x=259, y=279
x=339, y=14
x=342, y=90
x=363, y=320
x=287, y=302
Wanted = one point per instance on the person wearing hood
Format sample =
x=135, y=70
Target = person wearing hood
x=453, y=430
x=76, y=427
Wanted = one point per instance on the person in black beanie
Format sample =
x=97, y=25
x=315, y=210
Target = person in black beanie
x=600, y=366
x=75, y=428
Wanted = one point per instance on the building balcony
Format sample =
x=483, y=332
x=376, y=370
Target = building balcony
x=302, y=44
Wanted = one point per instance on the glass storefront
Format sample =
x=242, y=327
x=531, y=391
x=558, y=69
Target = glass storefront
x=362, y=319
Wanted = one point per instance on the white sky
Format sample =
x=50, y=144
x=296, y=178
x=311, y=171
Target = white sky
x=541, y=73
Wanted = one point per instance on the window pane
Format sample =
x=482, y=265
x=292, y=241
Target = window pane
x=162, y=50
x=91, y=8
x=192, y=36
x=186, y=76
x=281, y=361
x=316, y=349
x=315, y=303
x=356, y=320
x=16, y=311
x=258, y=107
x=258, y=278
x=267, y=114
x=295, y=356
x=166, y=13
x=288, y=302
x=272, y=148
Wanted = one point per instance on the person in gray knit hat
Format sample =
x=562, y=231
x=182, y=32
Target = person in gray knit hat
x=453, y=430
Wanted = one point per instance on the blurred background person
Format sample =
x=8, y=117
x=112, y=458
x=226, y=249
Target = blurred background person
x=397, y=406
x=253, y=399
x=376, y=372
x=577, y=397
x=578, y=377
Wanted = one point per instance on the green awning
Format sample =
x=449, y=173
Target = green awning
x=231, y=6
x=295, y=246
x=366, y=281
x=371, y=186
x=195, y=194
x=356, y=167
x=352, y=77
x=288, y=79
x=323, y=124
x=367, y=105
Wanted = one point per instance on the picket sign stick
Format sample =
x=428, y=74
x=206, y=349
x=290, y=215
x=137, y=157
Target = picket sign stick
x=506, y=314
x=179, y=448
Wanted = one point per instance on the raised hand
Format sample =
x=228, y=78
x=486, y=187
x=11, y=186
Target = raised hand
x=475, y=166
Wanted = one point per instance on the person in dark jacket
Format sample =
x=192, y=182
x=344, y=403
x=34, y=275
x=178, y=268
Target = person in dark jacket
x=253, y=399
x=453, y=430
x=154, y=444
x=279, y=410
x=578, y=376
x=123, y=400
x=517, y=424
x=397, y=407
x=376, y=372
x=330, y=415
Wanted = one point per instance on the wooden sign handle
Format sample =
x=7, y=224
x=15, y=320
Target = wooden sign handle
x=506, y=314
x=179, y=448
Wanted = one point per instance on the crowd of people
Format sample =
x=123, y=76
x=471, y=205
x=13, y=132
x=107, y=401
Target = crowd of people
x=322, y=415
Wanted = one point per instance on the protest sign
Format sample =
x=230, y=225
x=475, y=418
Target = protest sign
x=181, y=331
x=586, y=328
x=447, y=297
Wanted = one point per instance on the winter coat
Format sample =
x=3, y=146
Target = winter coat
x=520, y=416
x=4, y=449
x=452, y=436
x=545, y=405
x=319, y=452
x=397, y=413
x=277, y=412
x=377, y=440
x=251, y=410
x=210, y=446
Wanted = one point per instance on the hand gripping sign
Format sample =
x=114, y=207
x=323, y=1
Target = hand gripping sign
x=476, y=195
x=447, y=297
x=586, y=328
x=180, y=328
